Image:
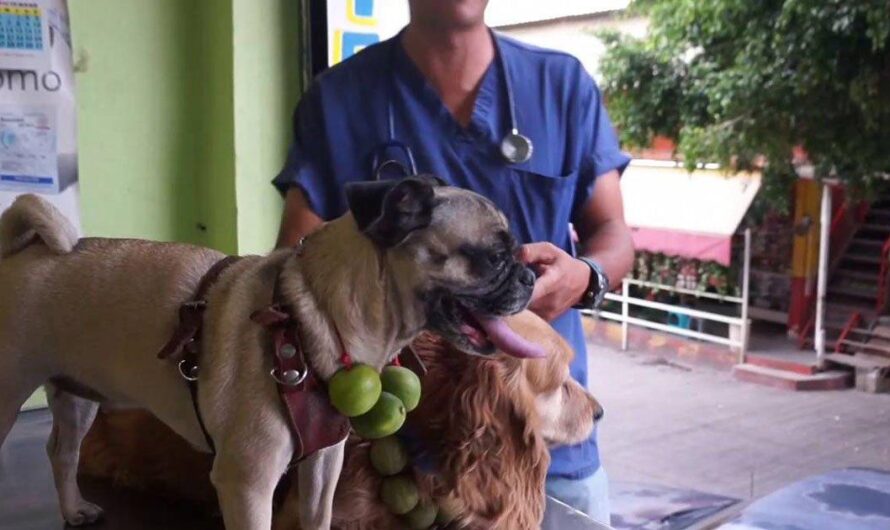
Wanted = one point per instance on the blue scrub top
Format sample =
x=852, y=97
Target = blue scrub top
x=343, y=120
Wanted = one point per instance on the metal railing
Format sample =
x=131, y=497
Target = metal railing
x=844, y=224
x=739, y=322
x=881, y=302
x=854, y=321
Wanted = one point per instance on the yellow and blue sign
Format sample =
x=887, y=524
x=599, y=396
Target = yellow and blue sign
x=355, y=24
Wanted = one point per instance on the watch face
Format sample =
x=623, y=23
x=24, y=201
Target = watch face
x=597, y=286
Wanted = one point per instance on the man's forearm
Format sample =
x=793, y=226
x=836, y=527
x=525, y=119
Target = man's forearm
x=605, y=237
x=297, y=221
x=611, y=245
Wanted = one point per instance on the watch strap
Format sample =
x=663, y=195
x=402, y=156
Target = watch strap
x=597, y=286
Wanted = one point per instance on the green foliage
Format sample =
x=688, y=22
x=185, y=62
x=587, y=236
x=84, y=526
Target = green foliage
x=742, y=82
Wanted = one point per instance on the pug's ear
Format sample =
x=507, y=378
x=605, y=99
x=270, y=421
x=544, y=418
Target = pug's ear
x=434, y=180
x=388, y=210
x=365, y=200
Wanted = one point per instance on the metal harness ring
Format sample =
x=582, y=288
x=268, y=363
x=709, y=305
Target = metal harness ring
x=188, y=373
x=281, y=380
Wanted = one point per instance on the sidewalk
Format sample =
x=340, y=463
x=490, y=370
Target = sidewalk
x=701, y=429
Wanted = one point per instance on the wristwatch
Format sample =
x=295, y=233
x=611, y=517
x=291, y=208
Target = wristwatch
x=597, y=286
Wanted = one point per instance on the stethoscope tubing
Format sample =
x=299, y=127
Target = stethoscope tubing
x=516, y=148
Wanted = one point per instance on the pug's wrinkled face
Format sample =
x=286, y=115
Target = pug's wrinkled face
x=454, y=250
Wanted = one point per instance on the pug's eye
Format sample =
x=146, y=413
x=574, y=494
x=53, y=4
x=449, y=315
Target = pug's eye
x=483, y=260
x=498, y=260
x=437, y=258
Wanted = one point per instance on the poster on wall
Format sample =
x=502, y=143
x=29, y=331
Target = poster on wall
x=38, y=127
x=355, y=24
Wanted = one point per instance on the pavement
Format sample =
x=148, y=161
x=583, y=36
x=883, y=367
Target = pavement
x=694, y=427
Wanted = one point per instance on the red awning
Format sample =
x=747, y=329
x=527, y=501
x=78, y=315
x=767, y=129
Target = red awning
x=700, y=246
x=691, y=215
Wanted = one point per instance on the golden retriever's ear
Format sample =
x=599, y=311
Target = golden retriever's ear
x=494, y=460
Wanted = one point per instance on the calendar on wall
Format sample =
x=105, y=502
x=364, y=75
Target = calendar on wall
x=24, y=36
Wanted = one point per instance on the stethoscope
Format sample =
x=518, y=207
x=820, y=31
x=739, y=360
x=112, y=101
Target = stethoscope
x=516, y=148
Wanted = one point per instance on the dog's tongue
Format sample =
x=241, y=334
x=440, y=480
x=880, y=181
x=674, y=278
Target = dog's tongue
x=507, y=340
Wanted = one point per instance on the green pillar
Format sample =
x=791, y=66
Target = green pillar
x=184, y=117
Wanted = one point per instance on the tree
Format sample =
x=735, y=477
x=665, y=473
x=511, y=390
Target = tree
x=746, y=82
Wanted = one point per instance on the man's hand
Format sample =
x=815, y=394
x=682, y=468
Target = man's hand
x=561, y=281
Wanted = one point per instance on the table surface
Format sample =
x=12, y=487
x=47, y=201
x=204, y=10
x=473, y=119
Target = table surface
x=28, y=498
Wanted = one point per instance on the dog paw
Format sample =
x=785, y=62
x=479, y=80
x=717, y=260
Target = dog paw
x=84, y=513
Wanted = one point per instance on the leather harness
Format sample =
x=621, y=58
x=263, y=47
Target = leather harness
x=314, y=423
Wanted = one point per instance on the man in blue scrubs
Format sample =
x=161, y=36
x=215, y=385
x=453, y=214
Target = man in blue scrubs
x=440, y=88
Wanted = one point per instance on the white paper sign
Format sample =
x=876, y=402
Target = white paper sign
x=38, y=129
x=28, y=148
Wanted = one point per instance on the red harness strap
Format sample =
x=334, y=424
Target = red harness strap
x=315, y=423
x=185, y=340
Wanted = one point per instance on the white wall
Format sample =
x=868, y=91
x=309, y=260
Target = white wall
x=509, y=12
x=576, y=35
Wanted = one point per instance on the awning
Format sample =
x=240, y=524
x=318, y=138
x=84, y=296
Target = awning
x=692, y=215
x=501, y=13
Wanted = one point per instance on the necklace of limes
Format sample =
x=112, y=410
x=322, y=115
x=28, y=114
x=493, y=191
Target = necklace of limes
x=377, y=405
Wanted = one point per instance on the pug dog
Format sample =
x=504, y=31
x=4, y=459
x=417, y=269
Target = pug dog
x=410, y=255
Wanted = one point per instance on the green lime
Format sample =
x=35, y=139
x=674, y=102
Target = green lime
x=422, y=516
x=385, y=418
x=402, y=383
x=388, y=456
x=399, y=494
x=354, y=391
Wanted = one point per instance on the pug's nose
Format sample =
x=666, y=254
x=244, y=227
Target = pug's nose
x=527, y=277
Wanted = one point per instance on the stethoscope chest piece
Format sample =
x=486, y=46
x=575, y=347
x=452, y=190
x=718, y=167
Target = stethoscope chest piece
x=516, y=148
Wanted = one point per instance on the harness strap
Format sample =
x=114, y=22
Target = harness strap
x=184, y=346
x=314, y=423
x=184, y=341
x=193, y=390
